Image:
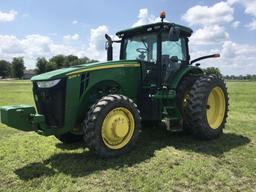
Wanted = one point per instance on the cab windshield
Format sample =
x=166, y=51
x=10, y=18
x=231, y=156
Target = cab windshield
x=144, y=48
x=141, y=47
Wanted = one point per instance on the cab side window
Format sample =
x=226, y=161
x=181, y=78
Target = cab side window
x=174, y=48
x=173, y=55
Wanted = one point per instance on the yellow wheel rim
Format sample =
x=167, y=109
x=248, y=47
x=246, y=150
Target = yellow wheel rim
x=216, y=107
x=118, y=128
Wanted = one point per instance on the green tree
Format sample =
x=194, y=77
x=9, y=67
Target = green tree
x=249, y=77
x=59, y=61
x=87, y=60
x=50, y=66
x=4, y=68
x=41, y=65
x=71, y=60
x=17, y=67
x=212, y=70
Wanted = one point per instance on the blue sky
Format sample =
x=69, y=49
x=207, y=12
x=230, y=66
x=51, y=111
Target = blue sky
x=34, y=29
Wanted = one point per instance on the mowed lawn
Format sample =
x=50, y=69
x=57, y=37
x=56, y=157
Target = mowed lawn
x=161, y=161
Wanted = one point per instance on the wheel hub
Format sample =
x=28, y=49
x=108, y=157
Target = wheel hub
x=117, y=128
x=120, y=127
x=216, y=106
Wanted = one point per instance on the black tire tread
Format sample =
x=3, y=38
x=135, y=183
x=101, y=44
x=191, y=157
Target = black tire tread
x=91, y=137
x=196, y=107
x=184, y=86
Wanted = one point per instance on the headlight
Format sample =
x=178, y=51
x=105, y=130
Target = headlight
x=47, y=84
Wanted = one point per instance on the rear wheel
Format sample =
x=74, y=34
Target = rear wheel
x=112, y=126
x=208, y=107
x=182, y=98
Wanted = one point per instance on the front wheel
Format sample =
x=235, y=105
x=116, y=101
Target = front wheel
x=112, y=126
x=207, y=109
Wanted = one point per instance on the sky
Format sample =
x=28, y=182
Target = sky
x=32, y=29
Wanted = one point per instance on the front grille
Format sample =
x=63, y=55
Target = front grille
x=50, y=102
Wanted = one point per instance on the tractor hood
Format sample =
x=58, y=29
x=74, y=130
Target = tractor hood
x=77, y=69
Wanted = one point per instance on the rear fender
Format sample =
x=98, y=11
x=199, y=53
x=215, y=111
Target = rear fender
x=183, y=72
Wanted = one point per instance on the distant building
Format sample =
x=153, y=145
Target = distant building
x=28, y=74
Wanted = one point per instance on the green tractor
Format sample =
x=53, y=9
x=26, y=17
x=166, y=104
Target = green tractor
x=105, y=103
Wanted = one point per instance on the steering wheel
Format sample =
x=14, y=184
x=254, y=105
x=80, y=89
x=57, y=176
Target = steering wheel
x=175, y=59
x=142, y=50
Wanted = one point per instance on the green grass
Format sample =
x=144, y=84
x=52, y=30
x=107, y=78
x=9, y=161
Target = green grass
x=161, y=161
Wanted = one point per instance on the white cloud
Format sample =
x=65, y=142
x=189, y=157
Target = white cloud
x=145, y=18
x=250, y=9
x=7, y=16
x=250, y=5
x=74, y=37
x=36, y=45
x=74, y=22
x=220, y=12
x=235, y=58
x=210, y=38
x=9, y=44
x=252, y=25
x=209, y=35
x=97, y=41
x=235, y=24
x=33, y=46
x=233, y=50
x=239, y=58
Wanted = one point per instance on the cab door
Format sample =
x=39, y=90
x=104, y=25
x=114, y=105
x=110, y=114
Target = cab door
x=150, y=108
x=174, y=56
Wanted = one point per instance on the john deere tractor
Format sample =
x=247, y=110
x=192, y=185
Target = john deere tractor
x=105, y=103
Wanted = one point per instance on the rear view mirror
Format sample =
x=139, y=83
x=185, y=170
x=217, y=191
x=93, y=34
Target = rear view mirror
x=174, y=34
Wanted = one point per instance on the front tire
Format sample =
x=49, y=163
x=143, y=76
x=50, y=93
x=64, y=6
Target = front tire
x=112, y=126
x=207, y=109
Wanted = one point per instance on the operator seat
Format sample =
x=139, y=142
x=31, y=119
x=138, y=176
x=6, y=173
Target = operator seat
x=169, y=67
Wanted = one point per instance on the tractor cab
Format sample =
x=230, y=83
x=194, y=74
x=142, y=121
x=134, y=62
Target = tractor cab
x=152, y=46
x=161, y=48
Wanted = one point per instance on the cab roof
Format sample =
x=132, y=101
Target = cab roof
x=154, y=27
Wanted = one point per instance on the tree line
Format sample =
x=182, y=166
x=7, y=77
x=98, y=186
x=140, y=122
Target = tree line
x=16, y=68
x=13, y=69
x=247, y=77
x=215, y=70
x=59, y=61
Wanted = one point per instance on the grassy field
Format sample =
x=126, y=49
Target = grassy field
x=161, y=161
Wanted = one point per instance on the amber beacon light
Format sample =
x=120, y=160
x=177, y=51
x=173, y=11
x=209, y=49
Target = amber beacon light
x=162, y=15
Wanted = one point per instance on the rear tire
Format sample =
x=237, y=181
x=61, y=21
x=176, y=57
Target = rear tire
x=112, y=126
x=207, y=109
x=182, y=96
